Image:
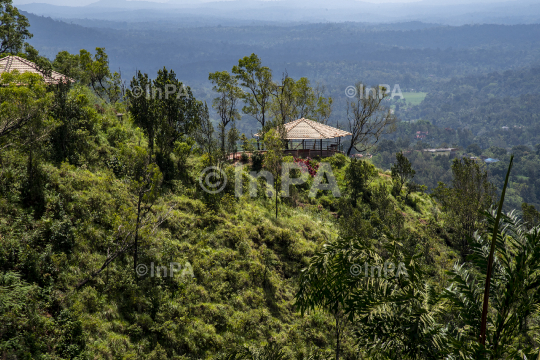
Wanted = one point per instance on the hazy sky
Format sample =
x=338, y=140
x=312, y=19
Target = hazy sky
x=86, y=2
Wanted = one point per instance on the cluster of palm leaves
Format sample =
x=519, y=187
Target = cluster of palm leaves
x=409, y=318
x=514, y=296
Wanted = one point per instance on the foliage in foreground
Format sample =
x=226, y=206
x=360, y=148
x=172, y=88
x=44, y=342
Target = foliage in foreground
x=412, y=317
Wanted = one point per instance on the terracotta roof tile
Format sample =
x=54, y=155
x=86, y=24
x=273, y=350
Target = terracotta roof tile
x=10, y=63
x=309, y=129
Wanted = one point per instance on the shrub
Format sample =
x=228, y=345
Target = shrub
x=308, y=165
x=288, y=159
x=257, y=160
x=327, y=202
x=244, y=158
x=358, y=176
x=338, y=160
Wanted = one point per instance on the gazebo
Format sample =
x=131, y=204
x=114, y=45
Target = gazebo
x=307, y=138
x=10, y=63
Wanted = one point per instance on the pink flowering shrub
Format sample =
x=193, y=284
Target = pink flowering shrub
x=307, y=165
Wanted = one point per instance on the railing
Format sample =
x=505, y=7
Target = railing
x=298, y=153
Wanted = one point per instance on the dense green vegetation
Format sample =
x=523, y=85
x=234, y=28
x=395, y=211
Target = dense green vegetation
x=484, y=105
x=60, y=226
x=433, y=168
x=477, y=77
x=114, y=244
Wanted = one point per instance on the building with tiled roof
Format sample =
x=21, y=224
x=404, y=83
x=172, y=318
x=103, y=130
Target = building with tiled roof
x=10, y=63
x=306, y=137
x=305, y=129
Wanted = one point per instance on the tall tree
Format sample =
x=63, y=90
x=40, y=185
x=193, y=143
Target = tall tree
x=142, y=107
x=13, y=28
x=167, y=111
x=226, y=103
x=176, y=110
x=273, y=141
x=283, y=107
x=531, y=216
x=358, y=176
x=368, y=117
x=25, y=124
x=297, y=99
x=323, y=108
x=258, y=81
x=205, y=137
x=96, y=73
x=24, y=102
x=471, y=192
x=402, y=172
x=43, y=64
x=78, y=120
x=68, y=64
x=145, y=188
x=304, y=97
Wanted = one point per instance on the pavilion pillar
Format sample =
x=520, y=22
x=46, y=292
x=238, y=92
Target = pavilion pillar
x=321, y=146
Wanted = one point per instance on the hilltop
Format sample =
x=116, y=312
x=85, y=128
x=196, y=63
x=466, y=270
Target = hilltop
x=62, y=225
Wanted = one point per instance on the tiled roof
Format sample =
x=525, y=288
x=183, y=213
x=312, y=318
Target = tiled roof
x=309, y=129
x=10, y=63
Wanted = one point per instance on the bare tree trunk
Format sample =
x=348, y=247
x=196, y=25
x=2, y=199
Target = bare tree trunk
x=275, y=189
x=136, y=242
x=105, y=265
x=223, y=138
x=350, y=149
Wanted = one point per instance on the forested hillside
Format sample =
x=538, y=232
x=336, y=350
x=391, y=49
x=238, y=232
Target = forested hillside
x=71, y=202
x=491, y=115
x=139, y=219
x=484, y=104
x=325, y=51
x=416, y=56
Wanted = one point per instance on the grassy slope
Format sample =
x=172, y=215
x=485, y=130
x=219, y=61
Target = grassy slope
x=245, y=261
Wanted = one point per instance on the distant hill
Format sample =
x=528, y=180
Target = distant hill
x=417, y=56
x=485, y=104
x=479, y=12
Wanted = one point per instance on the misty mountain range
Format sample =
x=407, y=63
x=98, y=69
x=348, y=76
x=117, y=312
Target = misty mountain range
x=451, y=13
x=196, y=39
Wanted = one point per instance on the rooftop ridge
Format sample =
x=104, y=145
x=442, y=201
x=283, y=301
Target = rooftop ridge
x=14, y=62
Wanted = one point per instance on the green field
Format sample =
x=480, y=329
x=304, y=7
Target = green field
x=414, y=98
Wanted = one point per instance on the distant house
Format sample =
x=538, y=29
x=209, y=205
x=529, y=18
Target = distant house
x=10, y=63
x=359, y=156
x=505, y=128
x=308, y=138
x=441, y=151
x=490, y=160
x=421, y=134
